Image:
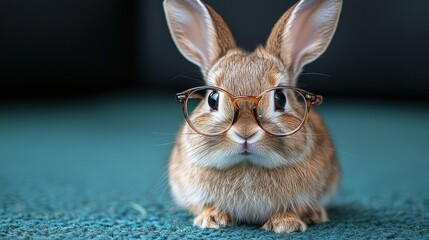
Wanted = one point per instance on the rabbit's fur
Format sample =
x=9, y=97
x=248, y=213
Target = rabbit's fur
x=284, y=183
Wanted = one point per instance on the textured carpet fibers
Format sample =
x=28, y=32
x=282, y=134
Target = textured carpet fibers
x=96, y=169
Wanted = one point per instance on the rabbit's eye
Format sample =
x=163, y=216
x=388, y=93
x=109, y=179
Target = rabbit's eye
x=279, y=99
x=213, y=100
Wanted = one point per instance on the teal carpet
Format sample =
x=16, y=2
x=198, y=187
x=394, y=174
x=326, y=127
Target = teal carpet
x=96, y=168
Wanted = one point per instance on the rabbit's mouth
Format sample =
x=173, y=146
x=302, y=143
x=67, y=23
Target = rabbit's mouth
x=246, y=149
x=245, y=153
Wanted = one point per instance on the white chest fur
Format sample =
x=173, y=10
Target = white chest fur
x=242, y=193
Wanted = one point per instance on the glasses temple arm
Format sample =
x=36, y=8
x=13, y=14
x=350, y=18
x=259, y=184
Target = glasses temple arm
x=181, y=97
x=317, y=100
x=314, y=99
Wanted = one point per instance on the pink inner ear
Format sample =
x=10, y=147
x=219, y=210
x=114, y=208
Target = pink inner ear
x=304, y=32
x=198, y=33
x=192, y=25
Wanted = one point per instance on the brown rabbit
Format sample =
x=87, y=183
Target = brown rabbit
x=246, y=173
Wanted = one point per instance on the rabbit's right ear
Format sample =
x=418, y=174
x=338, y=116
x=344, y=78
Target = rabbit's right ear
x=198, y=31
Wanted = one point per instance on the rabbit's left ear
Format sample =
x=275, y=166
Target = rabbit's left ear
x=304, y=32
x=199, y=32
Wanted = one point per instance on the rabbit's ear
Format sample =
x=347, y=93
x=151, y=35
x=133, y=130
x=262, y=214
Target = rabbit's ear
x=304, y=32
x=199, y=32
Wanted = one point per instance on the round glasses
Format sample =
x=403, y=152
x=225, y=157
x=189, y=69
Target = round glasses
x=280, y=111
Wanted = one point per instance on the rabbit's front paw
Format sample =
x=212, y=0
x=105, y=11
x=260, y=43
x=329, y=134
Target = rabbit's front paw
x=317, y=216
x=212, y=218
x=284, y=222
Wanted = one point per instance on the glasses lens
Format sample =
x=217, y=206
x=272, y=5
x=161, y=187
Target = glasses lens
x=281, y=111
x=209, y=111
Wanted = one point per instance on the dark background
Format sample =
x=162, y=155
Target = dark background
x=72, y=48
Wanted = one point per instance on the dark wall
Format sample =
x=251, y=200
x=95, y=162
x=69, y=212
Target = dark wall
x=50, y=47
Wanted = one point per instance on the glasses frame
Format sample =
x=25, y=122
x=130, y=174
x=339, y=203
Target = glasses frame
x=310, y=99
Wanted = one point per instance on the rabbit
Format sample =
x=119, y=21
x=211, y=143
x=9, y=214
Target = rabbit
x=285, y=182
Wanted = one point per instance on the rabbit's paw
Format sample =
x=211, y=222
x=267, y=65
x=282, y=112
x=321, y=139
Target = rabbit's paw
x=318, y=216
x=284, y=222
x=212, y=218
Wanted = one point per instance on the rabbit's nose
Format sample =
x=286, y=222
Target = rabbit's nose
x=248, y=137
